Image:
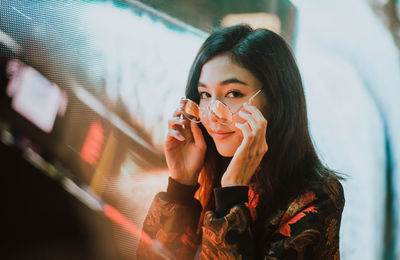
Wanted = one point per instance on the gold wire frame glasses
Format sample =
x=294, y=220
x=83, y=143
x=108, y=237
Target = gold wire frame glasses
x=218, y=109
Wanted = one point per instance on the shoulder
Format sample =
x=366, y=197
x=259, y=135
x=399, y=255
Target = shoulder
x=332, y=191
x=309, y=224
x=323, y=197
x=321, y=202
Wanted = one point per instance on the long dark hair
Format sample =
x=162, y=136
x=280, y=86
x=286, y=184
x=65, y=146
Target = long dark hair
x=291, y=164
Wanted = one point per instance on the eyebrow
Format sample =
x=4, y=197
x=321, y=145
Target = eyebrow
x=226, y=82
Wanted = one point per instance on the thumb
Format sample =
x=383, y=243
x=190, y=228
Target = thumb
x=197, y=135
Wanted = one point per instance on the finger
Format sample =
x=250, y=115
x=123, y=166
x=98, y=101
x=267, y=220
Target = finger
x=180, y=113
x=251, y=139
x=259, y=117
x=246, y=143
x=182, y=124
x=175, y=121
x=259, y=129
x=179, y=119
x=245, y=129
x=197, y=135
x=255, y=126
x=262, y=122
x=179, y=110
x=254, y=111
x=175, y=134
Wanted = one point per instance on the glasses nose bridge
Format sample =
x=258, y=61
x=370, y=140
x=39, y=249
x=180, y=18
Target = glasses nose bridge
x=213, y=117
x=212, y=101
x=216, y=98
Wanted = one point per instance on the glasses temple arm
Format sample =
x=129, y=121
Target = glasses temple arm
x=255, y=94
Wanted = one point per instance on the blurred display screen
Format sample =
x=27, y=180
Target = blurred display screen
x=33, y=96
x=85, y=100
x=90, y=87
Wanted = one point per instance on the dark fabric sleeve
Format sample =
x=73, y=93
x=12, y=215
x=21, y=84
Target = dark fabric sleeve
x=169, y=229
x=227, y=231
x=309, y=228
x=181, y=193
x=227, y=197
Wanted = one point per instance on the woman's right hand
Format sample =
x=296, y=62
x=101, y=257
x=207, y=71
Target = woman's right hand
x=185, y=148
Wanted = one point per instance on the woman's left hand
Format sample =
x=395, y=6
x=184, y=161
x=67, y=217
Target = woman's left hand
x=252, y=149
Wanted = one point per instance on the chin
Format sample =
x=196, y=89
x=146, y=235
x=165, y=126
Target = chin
x=225, y=151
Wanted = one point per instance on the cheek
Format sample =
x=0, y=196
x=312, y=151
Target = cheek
x=204, y=123
x=238, y=138
x=206, y=126
x=238, y=132
x=229, y=148
x=203, y=117
x=237, y=119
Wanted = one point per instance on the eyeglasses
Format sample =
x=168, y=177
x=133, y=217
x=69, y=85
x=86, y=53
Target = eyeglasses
x=216, y=108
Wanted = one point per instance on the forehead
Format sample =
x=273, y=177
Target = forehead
x=221, y=68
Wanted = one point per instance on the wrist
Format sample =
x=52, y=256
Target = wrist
x=185, y=181
x=235, y=178
x=228, y=182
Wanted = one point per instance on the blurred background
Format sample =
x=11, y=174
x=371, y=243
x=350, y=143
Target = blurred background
x=87, y=87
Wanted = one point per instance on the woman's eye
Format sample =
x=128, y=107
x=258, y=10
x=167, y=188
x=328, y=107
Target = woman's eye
x=234, y=94
x=204, y=95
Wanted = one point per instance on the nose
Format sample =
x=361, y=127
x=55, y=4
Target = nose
x=218, y=112
x=213, y=109
x=212, y=117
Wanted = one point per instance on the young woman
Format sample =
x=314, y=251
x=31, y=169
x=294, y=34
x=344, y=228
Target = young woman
x=246, y=182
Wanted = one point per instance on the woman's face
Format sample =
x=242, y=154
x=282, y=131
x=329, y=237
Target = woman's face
x=223, y=80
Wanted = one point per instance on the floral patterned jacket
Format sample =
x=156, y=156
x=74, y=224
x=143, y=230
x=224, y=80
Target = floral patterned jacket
x=307, y=229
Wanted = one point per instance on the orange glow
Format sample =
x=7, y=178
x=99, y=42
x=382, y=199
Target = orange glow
x=130, y=227
x=93, y=145
x=104, y=166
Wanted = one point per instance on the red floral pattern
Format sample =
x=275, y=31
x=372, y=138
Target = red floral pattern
x=252, y=204
x=292, y=215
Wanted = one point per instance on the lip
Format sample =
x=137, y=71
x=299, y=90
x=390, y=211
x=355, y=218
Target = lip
x=221, y=134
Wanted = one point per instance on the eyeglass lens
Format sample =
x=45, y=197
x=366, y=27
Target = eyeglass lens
x=216, y=108
x=221, y=111
x=191, y=110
